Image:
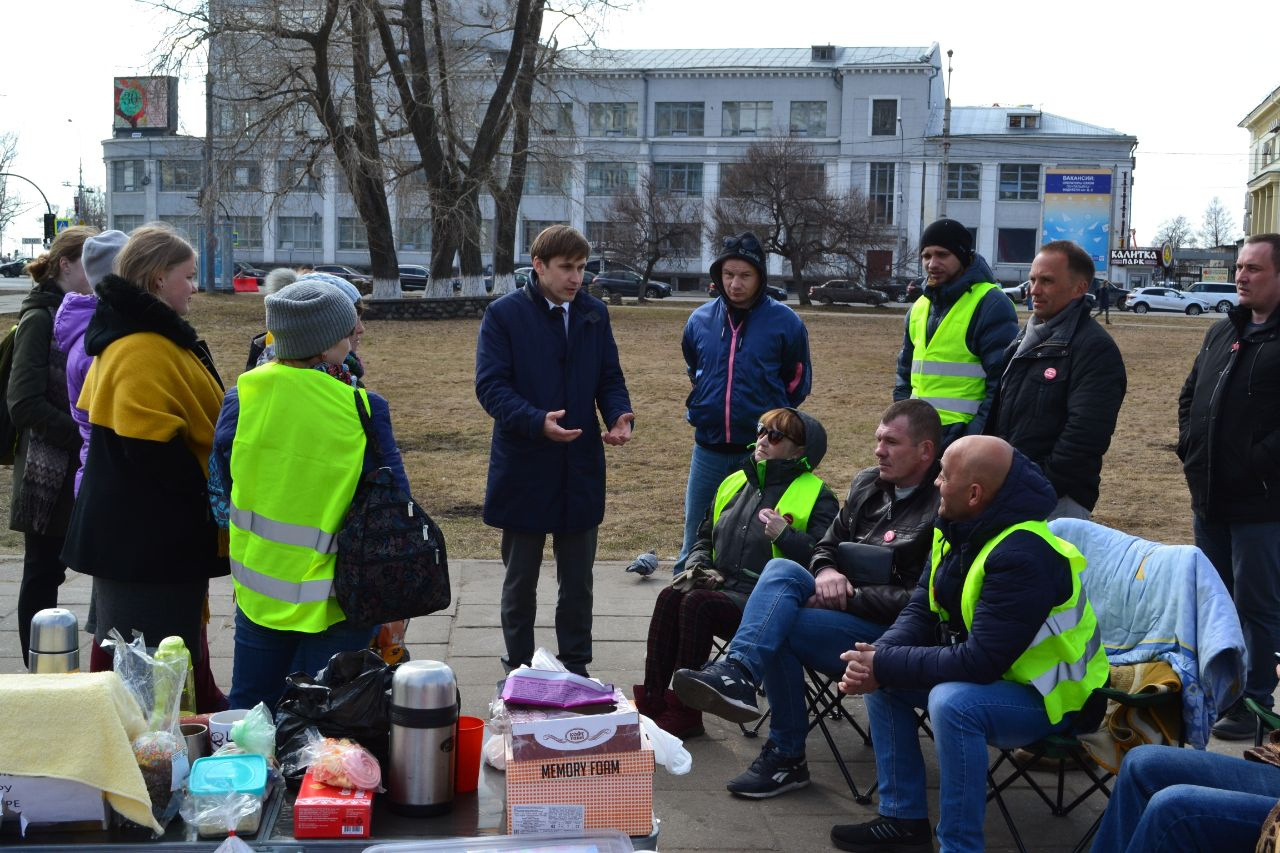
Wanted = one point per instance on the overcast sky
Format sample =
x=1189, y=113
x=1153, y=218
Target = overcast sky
x=1179, y=84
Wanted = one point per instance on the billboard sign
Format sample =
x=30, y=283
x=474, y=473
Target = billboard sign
x=1077, y=207
x=145, y=103
x=1135, y=257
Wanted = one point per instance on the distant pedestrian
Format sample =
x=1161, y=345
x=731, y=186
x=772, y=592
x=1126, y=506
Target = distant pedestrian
x=546, y=363
x=745, y=353
x=1104, y=302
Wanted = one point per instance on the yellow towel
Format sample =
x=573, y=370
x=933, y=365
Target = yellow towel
x=1125, y=727
x=80, y=727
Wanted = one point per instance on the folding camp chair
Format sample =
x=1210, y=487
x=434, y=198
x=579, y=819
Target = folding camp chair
x=1268, y=720
x=826, y=706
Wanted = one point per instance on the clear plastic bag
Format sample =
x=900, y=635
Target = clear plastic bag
x=337, y=762
x=228, y=813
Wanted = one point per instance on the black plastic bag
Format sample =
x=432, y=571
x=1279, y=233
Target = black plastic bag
x=351, y=698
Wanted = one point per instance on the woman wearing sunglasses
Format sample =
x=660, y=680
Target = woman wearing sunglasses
x=772, y=506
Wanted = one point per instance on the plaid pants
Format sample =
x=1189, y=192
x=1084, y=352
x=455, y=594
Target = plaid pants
x=681, y=630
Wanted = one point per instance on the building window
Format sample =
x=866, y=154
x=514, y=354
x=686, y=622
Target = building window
x=352, y=236
x=682, y=240
x=244, y=175
x=884, y=117
x=414, y=234
x=613, y=118
x=179, y=176
x=531, y=229
x=1015, y=245
x=553, y=119
x=188, y=227
x=1024, y=122
x=808, y=118
x=298, y=232
x=127, y=176
x=677, y=118
x=126, y=222
x=606, y=236
x=1019, y=181
x=610, y=178
x=678, y=178
x=881, y=193
x=545, y=179
x=746, y=118
x=963, y=181
x=247, y=232
x=294, y=175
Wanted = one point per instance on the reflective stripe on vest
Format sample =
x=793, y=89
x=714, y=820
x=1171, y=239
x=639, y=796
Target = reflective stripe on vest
x=944, y=372
x=797, y=501
x=295, y=462
x=1065, y=661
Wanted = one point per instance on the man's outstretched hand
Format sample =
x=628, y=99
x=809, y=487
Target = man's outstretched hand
x=621, y=432
x=551, y=428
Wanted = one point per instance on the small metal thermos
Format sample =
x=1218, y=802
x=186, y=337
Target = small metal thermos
x=54, y=632
x=424, y=714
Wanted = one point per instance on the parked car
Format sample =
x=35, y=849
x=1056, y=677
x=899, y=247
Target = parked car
x=843, y=290
x=1221, y=293
x=778, y=293
x=901, y=288
x=414, y=277
x=627, y=283
x=14, y=268
x=1017, y=292
x=359, y=279
x=244, y=270
x=1119, y=295
x=1167, y=299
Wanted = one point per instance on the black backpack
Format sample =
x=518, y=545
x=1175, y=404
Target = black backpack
x=391, y=556
x=8, y=432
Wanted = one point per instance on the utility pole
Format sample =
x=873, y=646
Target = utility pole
x=946, y=141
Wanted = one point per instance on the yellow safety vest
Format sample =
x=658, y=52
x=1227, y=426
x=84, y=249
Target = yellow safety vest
x=1065, y=661
x=797, y=501
x=295, y=462
x=944, y=372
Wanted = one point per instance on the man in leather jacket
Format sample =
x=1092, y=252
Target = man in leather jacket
x=799, y=617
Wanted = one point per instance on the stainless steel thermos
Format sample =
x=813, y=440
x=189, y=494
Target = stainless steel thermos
x=54, y=641
x=424, y=715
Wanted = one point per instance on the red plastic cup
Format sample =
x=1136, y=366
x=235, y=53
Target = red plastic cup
x=466, y=767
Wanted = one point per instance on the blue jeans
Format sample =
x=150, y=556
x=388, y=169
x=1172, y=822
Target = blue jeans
x=1169, y=800
x=778, y=636
x=965, y=718
x=1247, y=557
x=264, y=656
x=707, y=469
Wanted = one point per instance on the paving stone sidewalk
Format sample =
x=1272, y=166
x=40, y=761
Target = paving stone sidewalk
x=696, y=812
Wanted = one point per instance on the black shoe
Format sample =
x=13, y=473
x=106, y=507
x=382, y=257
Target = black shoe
x=722, y=688
x=771, y=774
x=884, y=835
x=1239, y=723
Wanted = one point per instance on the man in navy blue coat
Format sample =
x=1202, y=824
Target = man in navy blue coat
x=545, y=362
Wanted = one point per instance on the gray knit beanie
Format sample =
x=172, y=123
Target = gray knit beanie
x=99, y=253
x=308, y=317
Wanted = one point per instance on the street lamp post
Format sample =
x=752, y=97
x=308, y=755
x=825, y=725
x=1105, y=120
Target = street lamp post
x=49, y=216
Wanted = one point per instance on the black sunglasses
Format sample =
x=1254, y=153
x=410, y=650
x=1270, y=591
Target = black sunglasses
x=746, y=242
x=774, y=435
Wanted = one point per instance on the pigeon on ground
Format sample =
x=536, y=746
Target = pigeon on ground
x=645, y=565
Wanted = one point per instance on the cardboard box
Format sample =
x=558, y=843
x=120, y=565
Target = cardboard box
x=321, y=811
x=576, y=790
x=549, y=733
x=59, y=804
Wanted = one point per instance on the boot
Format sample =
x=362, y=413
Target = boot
x=651, y=706
x=681, y=721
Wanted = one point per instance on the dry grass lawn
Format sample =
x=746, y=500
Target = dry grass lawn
x=426, y=370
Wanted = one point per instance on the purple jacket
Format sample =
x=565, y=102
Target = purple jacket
x=68, y=332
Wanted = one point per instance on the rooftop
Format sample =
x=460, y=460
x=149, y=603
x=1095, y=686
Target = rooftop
x=994, y=121
x=796, y=58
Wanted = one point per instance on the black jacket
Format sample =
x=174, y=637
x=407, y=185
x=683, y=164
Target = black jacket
x=871, y=515
x=1025, y=579
x=1058, y=403
x=1229, y=422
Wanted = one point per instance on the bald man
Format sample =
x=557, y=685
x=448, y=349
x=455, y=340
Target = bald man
x=998, y=642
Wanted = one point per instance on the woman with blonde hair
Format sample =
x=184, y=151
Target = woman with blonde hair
x=48, y=442
x=141, y=524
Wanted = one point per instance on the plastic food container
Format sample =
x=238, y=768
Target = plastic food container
x=215, y=779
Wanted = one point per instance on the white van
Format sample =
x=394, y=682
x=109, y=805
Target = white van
x=1221, y=293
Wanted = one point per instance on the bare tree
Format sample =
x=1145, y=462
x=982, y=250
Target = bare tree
x=1218, y=226
x=1177, y=232
x=10, y=204
x=780, y=191
x=652, y=224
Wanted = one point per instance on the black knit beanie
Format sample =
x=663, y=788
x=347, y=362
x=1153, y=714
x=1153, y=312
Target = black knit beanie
x=745, y=247
x=950, y=235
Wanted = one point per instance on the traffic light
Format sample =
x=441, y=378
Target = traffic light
x=50, y=225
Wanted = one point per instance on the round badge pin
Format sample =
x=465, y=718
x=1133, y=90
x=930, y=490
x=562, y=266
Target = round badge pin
x=1050, y=373
x=889, y=536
